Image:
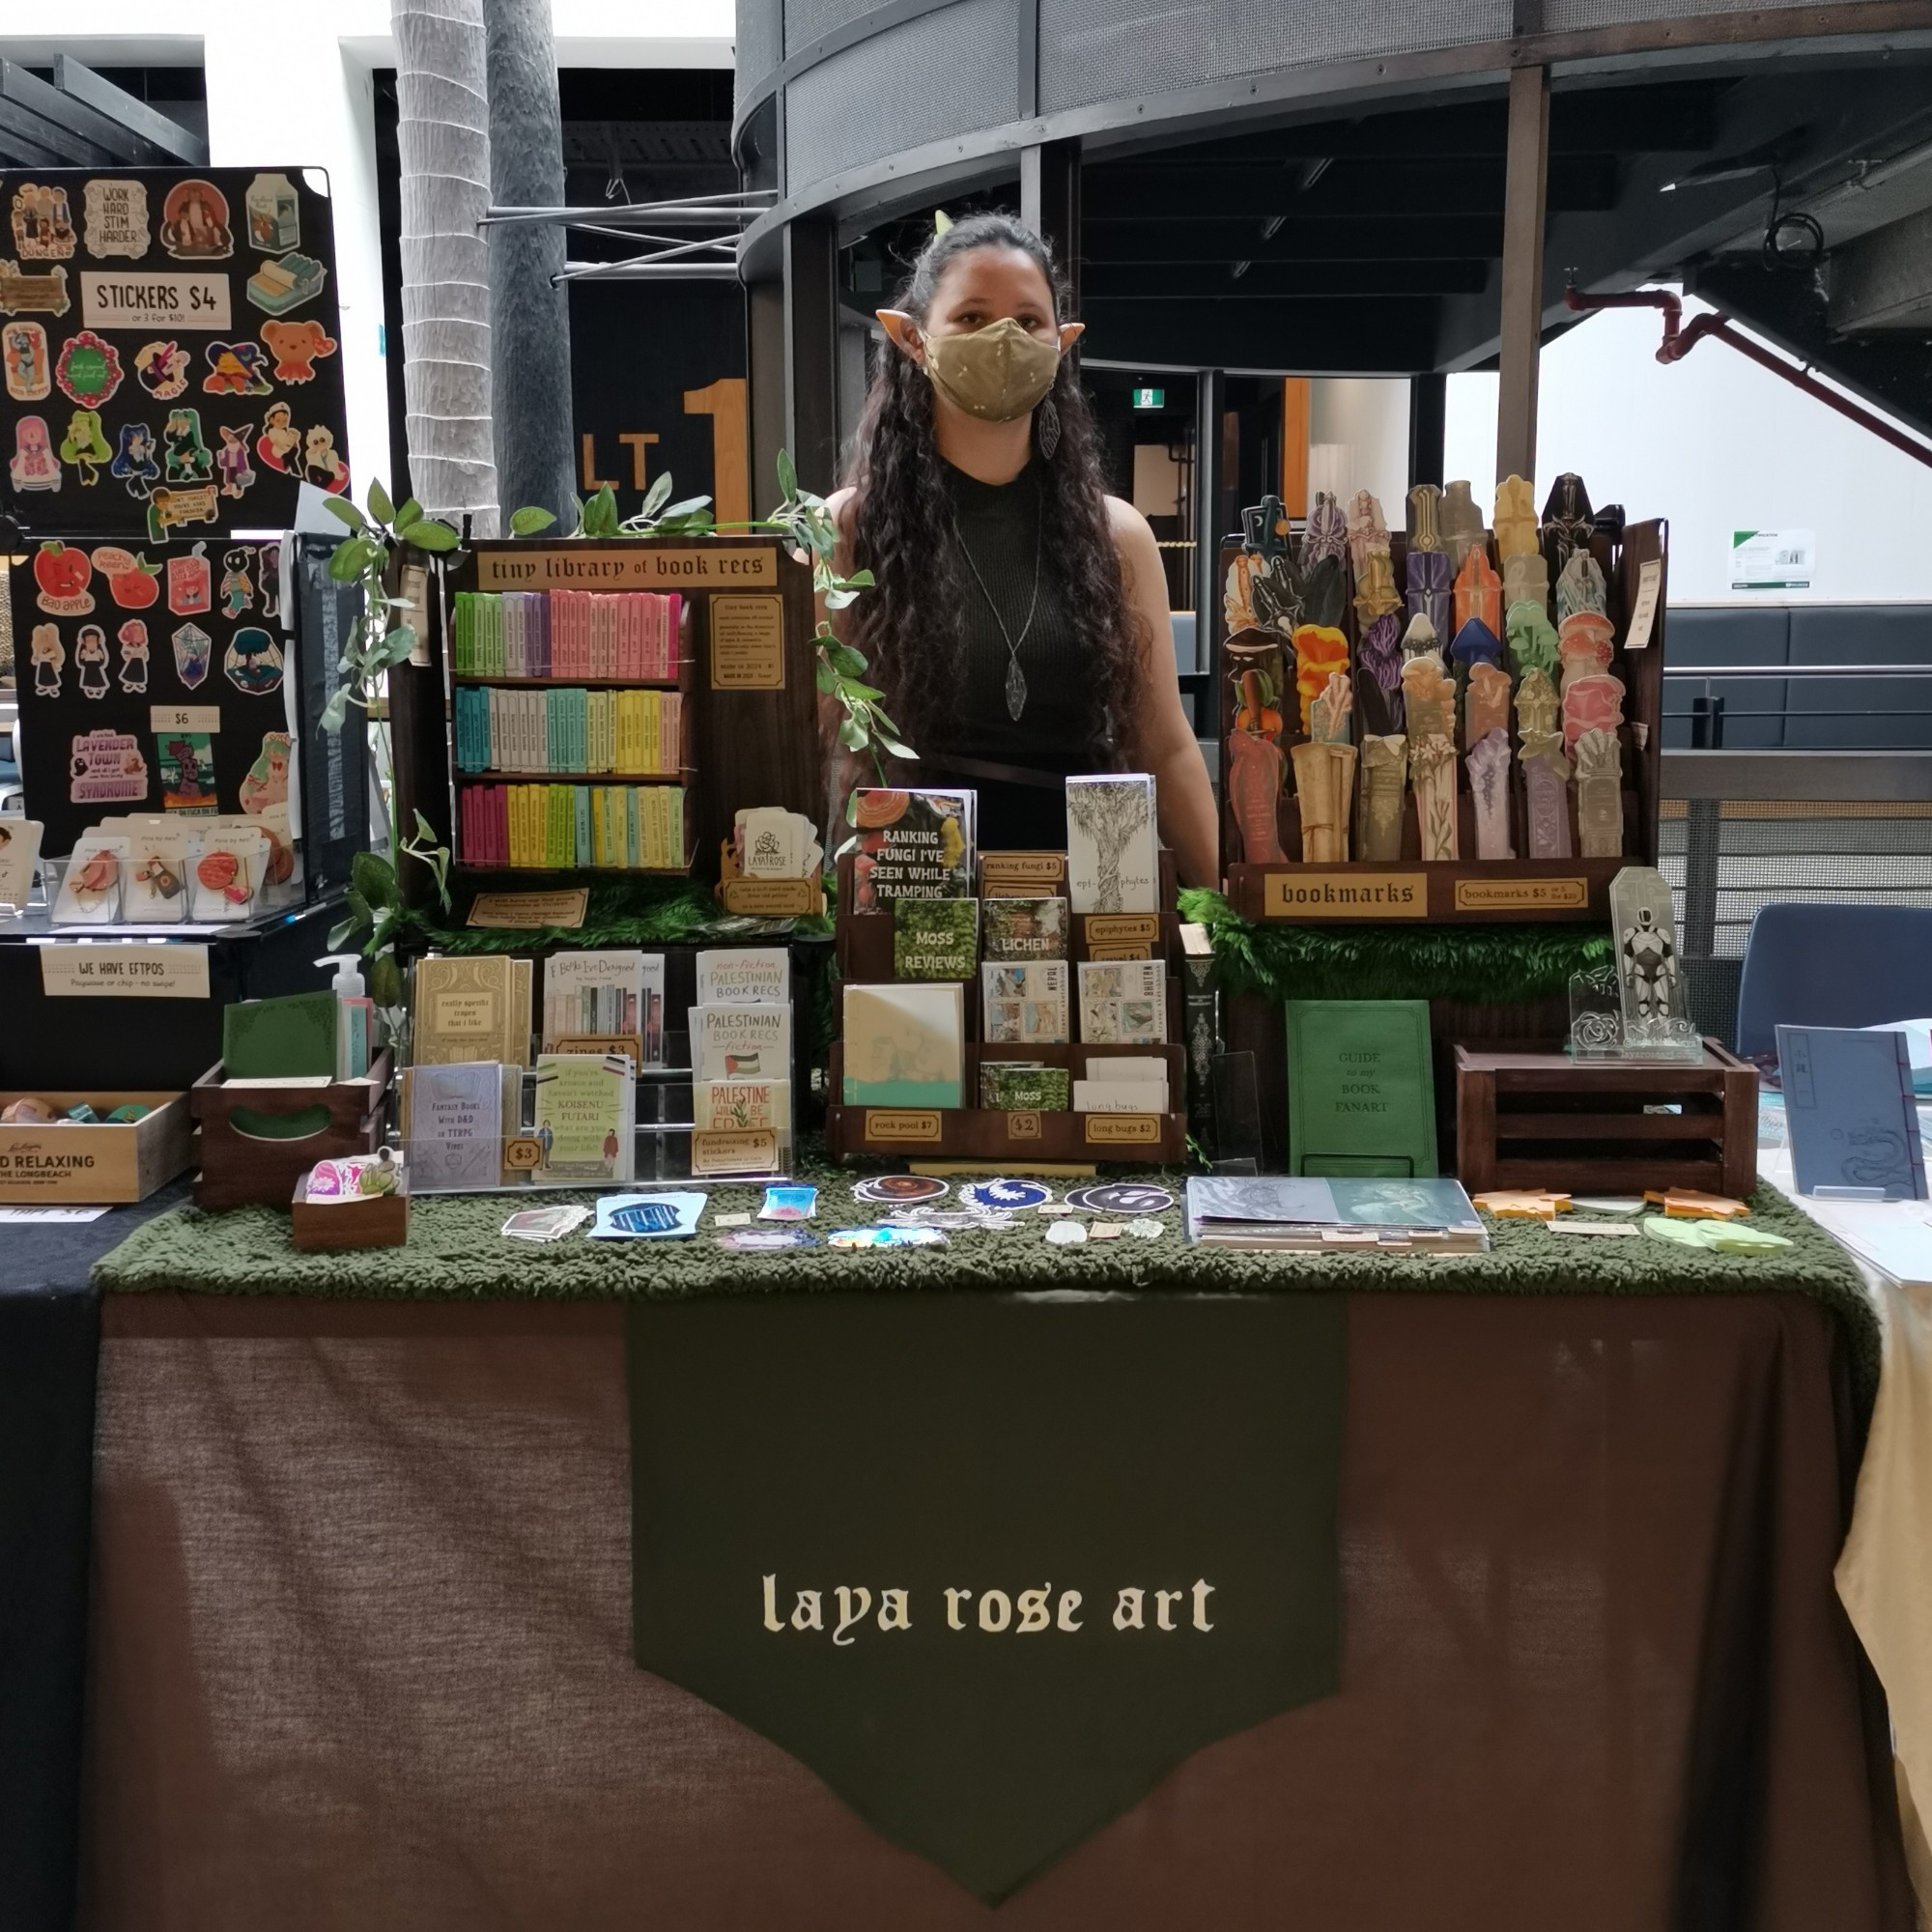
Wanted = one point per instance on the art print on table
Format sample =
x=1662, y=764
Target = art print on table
x=139, y=304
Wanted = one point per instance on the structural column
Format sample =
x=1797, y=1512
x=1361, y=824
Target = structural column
x=1525, y=197
x=1050, y=205
x=811, y=350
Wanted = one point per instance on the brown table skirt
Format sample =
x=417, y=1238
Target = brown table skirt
x=359, y=1655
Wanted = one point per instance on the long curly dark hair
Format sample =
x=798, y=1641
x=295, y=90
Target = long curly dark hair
x=902, y=529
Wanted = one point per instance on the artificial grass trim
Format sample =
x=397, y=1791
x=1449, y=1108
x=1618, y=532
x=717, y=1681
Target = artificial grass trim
x=622, y=912
x=1478, y=965
x=456, y=1253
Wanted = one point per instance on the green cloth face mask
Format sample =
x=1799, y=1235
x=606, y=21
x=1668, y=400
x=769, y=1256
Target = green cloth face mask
x=998, y=372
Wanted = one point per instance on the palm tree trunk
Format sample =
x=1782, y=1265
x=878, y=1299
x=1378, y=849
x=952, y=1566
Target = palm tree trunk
x=443, y=135
x=529, y=318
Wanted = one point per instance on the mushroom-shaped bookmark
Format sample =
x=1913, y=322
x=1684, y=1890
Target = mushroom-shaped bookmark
x=1319, y=650
x=1429, y=700
x=1324, y=775
x=1532, y=637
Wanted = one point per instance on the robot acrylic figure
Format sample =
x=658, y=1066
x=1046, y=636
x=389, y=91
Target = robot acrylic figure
x=1649, y=971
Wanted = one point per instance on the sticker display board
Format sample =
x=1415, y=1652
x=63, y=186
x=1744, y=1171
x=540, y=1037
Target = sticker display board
x=169, y=346
x=150, y=680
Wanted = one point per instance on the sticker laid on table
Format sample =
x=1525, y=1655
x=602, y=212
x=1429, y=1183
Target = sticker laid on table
x=1122, y=1197
x=29, y=368
x=48, y=658
x=90, y=653
x=899, y=1189
x=789, y=1204
x=106, y=767
x=297, y=347
x=1005, y=1196
x=161, y=369
x=137, y=969
x=253, y=661
x=766, y=1241
x=116, y=212
x=89, y=369
x=194, y=223
x=62, y=573
x=236, y=369
x=42, y=223
x=193, y=648
x=884, y=1237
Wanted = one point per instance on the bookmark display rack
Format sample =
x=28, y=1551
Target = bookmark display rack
x=605, y=704
x=1262, y=670
x=865, y=956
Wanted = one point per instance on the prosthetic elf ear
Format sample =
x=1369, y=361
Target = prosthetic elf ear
x=903, y=331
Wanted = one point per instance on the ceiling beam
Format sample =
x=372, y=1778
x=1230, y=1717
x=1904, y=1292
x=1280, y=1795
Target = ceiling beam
x=37, y=139
x=1380, y=336
x=1367, y=238
x=1323, y=281
x=128, y=127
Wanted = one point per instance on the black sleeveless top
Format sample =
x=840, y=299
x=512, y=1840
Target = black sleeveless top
x=999, y=526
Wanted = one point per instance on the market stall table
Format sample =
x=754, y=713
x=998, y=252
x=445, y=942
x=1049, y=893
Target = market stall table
x=361, y=1646
x=49, y=1327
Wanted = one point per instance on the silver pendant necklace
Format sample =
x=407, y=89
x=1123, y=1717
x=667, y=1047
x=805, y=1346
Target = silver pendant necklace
x=1016, y=684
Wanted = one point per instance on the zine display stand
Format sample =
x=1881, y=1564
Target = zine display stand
x=865, y=956
x=743, y=677
x=1465, y=889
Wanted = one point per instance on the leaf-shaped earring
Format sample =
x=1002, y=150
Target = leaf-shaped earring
x=1046, y=426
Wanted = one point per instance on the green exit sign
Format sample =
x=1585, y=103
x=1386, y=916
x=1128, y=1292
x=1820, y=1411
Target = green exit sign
x=1149, y=399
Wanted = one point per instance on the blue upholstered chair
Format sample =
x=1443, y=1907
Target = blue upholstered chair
x=1833, y=965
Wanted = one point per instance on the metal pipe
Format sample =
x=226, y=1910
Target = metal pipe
x=1798, y=671
x=650, y=272
x=1679, y=341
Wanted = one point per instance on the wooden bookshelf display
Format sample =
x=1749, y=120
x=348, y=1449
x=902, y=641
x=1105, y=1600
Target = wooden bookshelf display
x=1465, y=889
x=866, y=956
x=1537, y=1118
x=742, y=675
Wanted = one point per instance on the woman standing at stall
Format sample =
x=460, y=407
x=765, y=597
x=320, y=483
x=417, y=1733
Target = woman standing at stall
x=1019, y=621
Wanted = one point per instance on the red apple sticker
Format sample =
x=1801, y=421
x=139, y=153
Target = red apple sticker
x=61, y=575
x=132, y=581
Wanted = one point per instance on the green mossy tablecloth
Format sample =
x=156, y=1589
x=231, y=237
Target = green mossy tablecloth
x=456, y=1252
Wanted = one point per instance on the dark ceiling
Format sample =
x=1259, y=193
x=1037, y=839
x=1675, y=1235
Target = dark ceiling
x=1371, y=244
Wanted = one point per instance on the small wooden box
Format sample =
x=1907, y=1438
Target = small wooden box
x=1527, y=1118
x=103, y=1163
x=369, y=1221
x=240, y=1168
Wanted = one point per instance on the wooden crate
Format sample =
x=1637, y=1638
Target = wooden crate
x=103, y=1163
x=1465, y=890
x=371, y=1221
x=241, y=1169
x=997, y=1136
x=1530, y=1117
